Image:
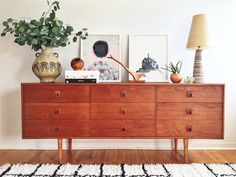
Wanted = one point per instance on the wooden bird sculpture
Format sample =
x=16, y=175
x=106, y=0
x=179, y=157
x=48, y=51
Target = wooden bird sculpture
x=136, y=76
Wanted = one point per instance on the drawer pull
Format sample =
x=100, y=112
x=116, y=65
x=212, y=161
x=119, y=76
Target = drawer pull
x=57, y=93
x=56, y=111
x=189, y=94
x=189, y=111
x=57, y=129
x=189, y=128
x=124, y=94
x=123, y=129
x=124, y=111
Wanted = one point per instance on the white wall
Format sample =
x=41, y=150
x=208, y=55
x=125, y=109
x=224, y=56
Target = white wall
x=171, y=17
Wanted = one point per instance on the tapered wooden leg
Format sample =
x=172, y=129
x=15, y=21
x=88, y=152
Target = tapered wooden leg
x=59, y=142
x=185, y=150
x=175, y=145
x=69, y=144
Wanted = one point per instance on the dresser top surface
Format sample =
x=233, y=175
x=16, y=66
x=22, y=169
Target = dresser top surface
x=123, y=83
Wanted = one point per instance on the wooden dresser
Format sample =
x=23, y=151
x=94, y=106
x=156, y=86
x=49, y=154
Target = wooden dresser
x=123, y=110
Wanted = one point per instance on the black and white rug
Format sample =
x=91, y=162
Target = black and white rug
x=123, y=170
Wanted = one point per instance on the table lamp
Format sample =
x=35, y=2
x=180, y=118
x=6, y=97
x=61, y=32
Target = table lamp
x=198, y=40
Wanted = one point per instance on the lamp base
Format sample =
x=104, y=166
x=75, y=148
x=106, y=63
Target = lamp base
x=197, y=70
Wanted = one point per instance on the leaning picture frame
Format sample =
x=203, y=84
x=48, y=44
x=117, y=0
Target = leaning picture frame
x=95, y=50
x=147, y=54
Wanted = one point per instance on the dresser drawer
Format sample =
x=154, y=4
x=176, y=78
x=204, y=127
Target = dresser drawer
x=37, y=129
x=190, y=111
x=190, y=129
x=108, y=128
x=190, y=93
x=123, y=110
x=56, y=111
x=54, y=129
x=117, y=94
x=123, y=128
x=140, y=128
x=55, y=93
x=71, y=128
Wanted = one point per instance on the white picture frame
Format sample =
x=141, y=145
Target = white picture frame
x=154, y=47
x=94, y=51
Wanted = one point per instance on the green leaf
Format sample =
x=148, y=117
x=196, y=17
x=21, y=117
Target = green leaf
x=47, y=21
x=55, y=3
x=55, y=30
x=74, y=39
x=63, y=44
x=55, y=8
x=5, y=23
x=3, y=34
x=9, y=20
x=21, y=29
x=59, y=23
x=34, y=42
x=69, y=29
x=79, y=33
x=52, y=15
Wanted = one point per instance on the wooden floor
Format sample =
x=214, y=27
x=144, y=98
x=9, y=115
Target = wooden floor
x=115, y=156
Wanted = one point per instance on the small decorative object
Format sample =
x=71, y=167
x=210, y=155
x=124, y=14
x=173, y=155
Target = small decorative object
x=175, y=77
x=94, y=52
x=136, y=75
x=189, y=80
x=198, y=40
x=77, y=64
x=147, y=53
x=81, y=76
x=43, y=34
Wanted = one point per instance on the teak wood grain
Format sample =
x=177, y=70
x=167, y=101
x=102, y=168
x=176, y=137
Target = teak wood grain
x=57, y=111
x=190, y=111
x=122, y=94
x=190, y=93
x=123, y=110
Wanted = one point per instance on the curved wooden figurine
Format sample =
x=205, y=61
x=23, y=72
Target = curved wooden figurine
x=136, y=76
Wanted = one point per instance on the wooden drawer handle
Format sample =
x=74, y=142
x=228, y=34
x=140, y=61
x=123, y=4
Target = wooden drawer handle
x=189, y=128
x=189, y=111
x=57, y=129
x=123, y=129
x=124, y=111
x=57, y=93
x=124, y=94
x=56, y=111
x=189, y=94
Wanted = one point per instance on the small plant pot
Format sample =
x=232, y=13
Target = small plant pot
x=176, y=78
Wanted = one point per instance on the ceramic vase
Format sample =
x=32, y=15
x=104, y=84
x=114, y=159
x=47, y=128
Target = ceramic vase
x=46, y=66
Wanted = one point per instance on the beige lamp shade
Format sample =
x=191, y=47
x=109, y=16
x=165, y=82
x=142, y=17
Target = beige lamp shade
x=198, y=35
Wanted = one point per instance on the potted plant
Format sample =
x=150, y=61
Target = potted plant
x=44, y=34
x=175, y=77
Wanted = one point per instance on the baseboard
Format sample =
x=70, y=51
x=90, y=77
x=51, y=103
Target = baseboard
x=123, y=144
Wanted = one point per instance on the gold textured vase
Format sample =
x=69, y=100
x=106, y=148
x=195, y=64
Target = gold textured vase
x=46, y=66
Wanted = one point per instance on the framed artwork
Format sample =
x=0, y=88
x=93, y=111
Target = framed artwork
x=147, y=54
x=94, y=51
